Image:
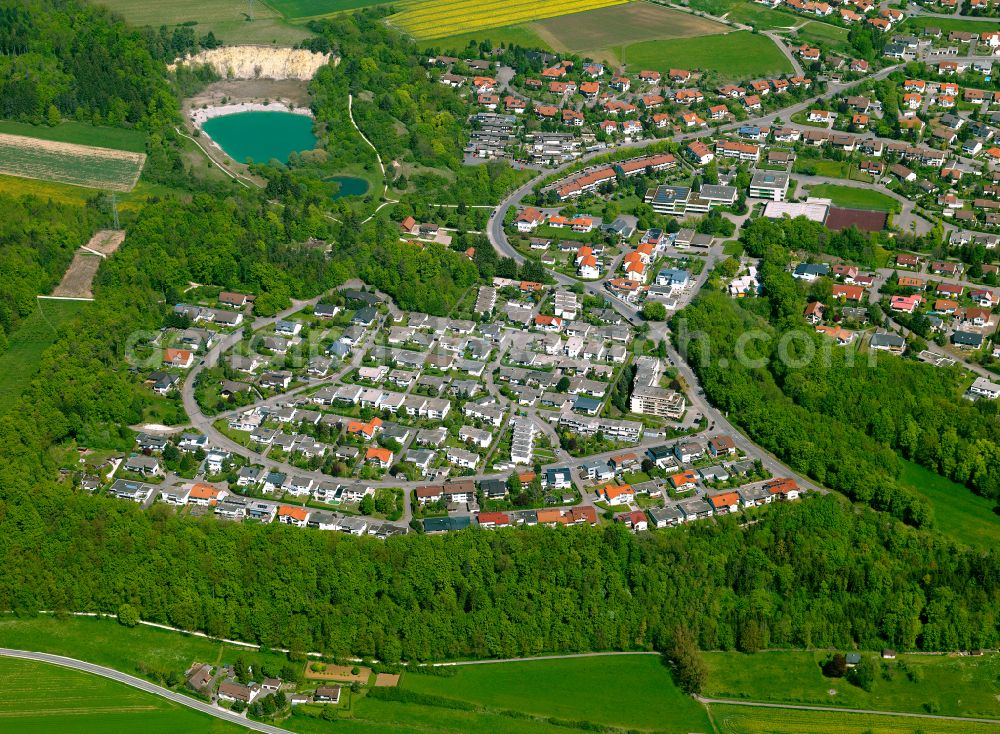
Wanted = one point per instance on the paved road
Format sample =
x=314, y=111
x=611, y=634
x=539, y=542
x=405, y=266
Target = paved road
x=143, y=685
x=841, y=710
x=875, y=296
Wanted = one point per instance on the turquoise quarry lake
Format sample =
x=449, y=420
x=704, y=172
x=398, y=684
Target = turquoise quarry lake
x=261, y=136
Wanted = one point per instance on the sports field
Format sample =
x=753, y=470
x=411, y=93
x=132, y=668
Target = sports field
x=36, y=698
x=738, y=55
x=850, y=197
x=603, y=32
x=953, y=686
x=966, y=517
x=629, y=691
x=70, y=163
x=34, y=335
x=441, y=18
x=227, y=19
x=747, y=720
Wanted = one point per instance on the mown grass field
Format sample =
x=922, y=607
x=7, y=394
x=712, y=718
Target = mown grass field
x=966, y=517
x=746, y=12
x=372, y=716
x=299, y=9
x=227, y=19
x=829, y=36
x=737, y=55
x=33, y=336
x=105, y=642
x=441, y=18
x=949, y=24
x=747, y=720
x=602, y=33
x=953, y=686
x=80, y=133
x=69, y=163
x=36, y=698
x=854, y=198
x=630, y=691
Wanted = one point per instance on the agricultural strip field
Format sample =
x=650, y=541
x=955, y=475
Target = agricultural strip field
x=608, y=29
x=35, y=334
x=227, y=19
x=950, y=685
x=36, y=698
x=440, y=18
x=850, y=197
x=80, y=133
x=80, y=165
x=732, y=719
x=958, y=513
x=734, y=56
x=575, y=689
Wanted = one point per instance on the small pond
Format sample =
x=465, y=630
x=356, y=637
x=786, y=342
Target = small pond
x=349, y=186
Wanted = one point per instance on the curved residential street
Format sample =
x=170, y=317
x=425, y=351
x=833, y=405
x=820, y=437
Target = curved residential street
x=144, y=685
x=717, y=421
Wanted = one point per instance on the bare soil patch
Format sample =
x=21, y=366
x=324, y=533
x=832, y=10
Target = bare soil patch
x=256, y=90
x=388, y=680
x=339, y=673
x=78, y=280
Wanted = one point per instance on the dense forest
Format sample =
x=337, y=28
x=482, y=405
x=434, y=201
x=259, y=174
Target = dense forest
x=390, y=86
x=37, y=241
x=813, y=574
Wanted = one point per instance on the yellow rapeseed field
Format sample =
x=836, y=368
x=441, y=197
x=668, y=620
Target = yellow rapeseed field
x=439, y=18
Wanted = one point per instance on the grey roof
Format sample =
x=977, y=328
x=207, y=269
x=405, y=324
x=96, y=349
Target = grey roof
x=769, y=180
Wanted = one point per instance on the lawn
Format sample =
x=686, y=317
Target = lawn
x=849, y=197
x=603, y=32
x=70, y=163
x=576, y=689
x=763, y=19
x=34, y=335
x=828, y=167
x=746, y=720
x=80, y=133
x=36, y=698
x=227, y=19
x=739, y=55
x=949, y=24
x=441, y=18
x=298, y=9
x=958, y=512
x=105, y=642
x=374, y=716
x=823, y=33
x=954, y=686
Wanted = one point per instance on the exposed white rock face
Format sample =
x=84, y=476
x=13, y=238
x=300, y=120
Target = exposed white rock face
x=260, y=62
